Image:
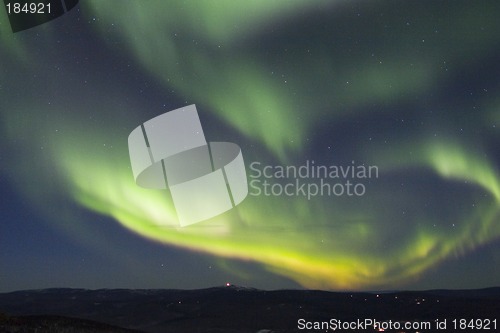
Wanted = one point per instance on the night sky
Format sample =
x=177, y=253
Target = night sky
x=411, y=87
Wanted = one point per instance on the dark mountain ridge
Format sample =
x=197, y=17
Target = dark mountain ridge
x=240, y=309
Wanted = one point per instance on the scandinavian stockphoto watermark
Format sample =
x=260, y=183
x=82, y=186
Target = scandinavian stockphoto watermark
x=204, y=179
x=207, y=179
x=310, y=179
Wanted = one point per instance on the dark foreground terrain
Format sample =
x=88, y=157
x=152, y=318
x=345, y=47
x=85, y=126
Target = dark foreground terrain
x=235, y=309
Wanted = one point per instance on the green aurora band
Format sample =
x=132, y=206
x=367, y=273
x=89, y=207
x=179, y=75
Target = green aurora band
x=329, y=243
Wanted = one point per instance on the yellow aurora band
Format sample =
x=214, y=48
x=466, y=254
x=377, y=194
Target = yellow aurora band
x=326, y=243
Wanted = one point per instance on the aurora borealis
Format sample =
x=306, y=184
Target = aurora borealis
x=411, y=87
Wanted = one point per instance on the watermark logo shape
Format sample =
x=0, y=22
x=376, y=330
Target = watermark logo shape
x=204, y=179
